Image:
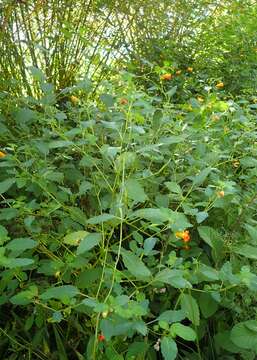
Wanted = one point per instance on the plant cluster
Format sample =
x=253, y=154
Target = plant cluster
x=128, y=222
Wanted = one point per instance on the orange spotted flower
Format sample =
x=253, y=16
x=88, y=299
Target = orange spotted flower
x=167, y=76
x=74, y=99
x=123, y=101
x=2, y=155
x=101, y=337
x=184, y=235
x=221, y=193
x=220, y=85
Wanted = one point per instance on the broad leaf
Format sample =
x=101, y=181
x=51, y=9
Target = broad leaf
x=244, y=334
x=190, y=307
x=135, y=190
x=60, y=292
x=134, y=265
x=75, y=237
x=185, y=332
x=5, y=185
x=171, y=316
x=100, y=219
x=247, y=251
x=168, y=348
x=89, y=242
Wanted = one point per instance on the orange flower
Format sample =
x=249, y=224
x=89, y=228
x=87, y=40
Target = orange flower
x=2, y=155
x=184, y=235
x=221, y=193
x=74, y=99
x=123, y=101
x=167, y=76
x=101, y=337
x=178, y=72
x=220, y=85
x=190, y=69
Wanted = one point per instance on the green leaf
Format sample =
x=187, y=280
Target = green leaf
x=199, y=179
x=149, y=244
x=134, y=265
x=37, y=73
x=207, y=305
x=169, y=348
x=172, y=91
x=172, y=277
x=90, y=348
x=56, y=144
x=100, y=219
x=107, y=99
x=3, y=235
x=190, y=307
x=213, y=239
x=78, y=215
x=247, y=251
x=201, y=216
x=24, y=297
x=252, y=231
x=207, y=273
x=135, y=191
x=60, y=346
x=75, y=237
x=173, y=187
x=17, y=262
x=223, y=340
x=185, y=332
x=84, y=187
x=89, y=242
x=60, y=292
x=171, y=316
x=244, y=335
x=5, y=185
x=21, y=244
x=136, y=348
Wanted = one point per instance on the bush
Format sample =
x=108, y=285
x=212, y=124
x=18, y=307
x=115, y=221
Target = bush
x=127, y=225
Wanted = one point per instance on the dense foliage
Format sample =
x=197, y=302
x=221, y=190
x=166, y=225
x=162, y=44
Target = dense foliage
x=128, y=224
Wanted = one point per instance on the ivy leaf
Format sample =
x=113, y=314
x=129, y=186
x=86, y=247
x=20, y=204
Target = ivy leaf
x=190, y=307
x=134, y=265
x=169, y=348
